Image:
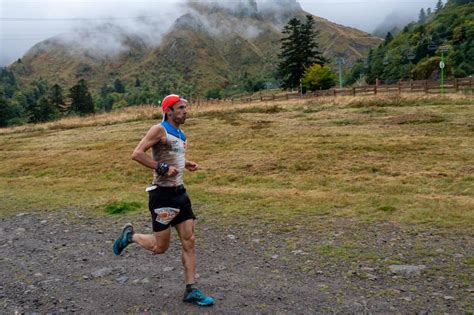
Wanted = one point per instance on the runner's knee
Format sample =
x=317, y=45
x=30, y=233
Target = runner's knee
x=188, y=243
x=159, y=249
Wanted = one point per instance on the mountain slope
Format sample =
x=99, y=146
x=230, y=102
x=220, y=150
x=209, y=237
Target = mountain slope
x=415, y=52
x=208, y=46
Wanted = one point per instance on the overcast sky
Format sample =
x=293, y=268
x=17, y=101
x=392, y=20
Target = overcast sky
x=26, y=22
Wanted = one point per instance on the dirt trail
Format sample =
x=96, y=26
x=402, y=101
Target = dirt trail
x=62, y=262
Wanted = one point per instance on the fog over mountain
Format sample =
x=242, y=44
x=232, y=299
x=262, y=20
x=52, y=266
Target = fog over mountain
x=100, y=40
x=394, y=23
x=100, y=26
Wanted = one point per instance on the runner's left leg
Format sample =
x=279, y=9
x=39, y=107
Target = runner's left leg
x=186, y=234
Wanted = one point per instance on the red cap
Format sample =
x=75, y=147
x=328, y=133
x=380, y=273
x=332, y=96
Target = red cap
x=170, y=100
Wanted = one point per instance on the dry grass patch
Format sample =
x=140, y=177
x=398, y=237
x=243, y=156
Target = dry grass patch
x=402, y=159
x=416, y=119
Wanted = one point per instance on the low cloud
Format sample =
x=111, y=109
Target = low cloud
x=394, y=22
x=101, y=39
x=110, y=24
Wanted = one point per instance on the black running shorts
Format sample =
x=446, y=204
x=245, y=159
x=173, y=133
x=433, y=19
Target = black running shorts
x=169, y=207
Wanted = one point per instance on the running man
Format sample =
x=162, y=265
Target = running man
x=169, y=203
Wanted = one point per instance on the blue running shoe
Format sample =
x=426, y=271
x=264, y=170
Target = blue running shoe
x=197, y=297
x=124, y=239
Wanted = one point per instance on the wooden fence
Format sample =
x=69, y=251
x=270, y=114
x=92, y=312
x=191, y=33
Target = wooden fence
x=422, y=86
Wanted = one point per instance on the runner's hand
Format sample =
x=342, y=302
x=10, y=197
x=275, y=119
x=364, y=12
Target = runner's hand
x=172, y=171
x=191, y=166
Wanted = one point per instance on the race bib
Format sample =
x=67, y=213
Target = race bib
x=165, y=215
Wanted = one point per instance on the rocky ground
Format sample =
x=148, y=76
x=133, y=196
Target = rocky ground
x=62, y=262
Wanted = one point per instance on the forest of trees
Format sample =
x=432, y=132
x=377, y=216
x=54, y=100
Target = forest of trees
x=415, y=53
x=39, y=101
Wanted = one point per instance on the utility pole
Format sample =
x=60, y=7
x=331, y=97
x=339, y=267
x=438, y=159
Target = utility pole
x=442, y=65
x=340, y=62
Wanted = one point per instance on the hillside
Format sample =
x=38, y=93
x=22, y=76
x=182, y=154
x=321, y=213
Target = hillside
x=321, y=218
x=208, y=46
x=415, y=52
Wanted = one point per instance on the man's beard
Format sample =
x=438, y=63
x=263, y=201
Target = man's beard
x=179, y=121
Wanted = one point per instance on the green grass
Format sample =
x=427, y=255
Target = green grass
x=343, y=252
x=401, y=160
x=119, y=207
x=469, y=261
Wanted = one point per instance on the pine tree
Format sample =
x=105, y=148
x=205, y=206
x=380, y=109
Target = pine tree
x=290, y=68
x=56, y=96
x=5, y=111
x=43, y=111
x=104, y=90
x=82, y=102
x=299, y=51
x=309, y=45
x=439, y=6
x=428, y=12
x=388, y=38
x=8, y=82
x=371, y=74
x=118, y=86
x=422, y=16
x=106, y=100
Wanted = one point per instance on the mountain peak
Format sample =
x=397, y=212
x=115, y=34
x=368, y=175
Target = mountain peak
x=275, y=10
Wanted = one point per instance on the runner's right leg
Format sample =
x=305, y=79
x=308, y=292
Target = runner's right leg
x=157, y=242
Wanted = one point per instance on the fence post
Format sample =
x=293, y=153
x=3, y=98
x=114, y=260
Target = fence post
x=456, y=86
x=286, y=96
x=354, y=91
x=399, y=87
x=426, y=86
x=334, y=92
x=375, y=89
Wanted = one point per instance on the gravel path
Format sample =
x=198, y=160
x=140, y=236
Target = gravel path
x=62, y=262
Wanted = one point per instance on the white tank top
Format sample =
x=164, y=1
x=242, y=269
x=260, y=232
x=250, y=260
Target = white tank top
x=172, y=153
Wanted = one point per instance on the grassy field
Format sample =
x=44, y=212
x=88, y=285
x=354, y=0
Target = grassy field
x=404, y=160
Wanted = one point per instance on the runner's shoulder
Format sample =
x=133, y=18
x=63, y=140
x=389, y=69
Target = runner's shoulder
x=156, y=133
x=157, y=129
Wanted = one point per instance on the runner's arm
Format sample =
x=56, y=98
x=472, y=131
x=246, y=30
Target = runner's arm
x=152, y=137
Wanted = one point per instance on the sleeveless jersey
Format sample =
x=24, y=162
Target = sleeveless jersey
x=172, y=153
